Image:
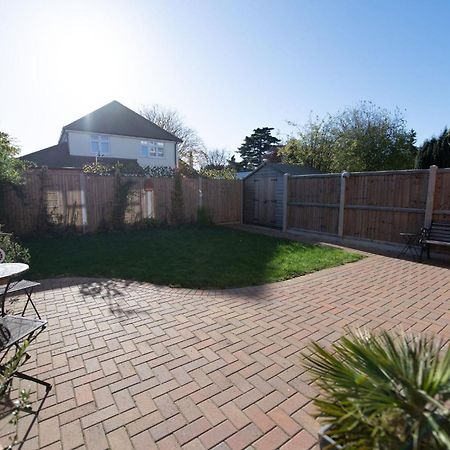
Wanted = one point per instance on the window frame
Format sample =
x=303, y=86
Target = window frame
x=154, y=149
x=100, y=140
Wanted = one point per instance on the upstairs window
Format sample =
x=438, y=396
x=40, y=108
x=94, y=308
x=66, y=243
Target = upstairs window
x=151, y=149
x=100, y=145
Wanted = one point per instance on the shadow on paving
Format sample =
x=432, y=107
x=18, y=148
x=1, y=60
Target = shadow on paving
x=113, y=291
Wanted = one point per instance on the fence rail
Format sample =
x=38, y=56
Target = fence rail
x=88, y=202
x=375, y=206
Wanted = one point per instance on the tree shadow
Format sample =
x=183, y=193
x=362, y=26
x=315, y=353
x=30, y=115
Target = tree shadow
x=105, y=288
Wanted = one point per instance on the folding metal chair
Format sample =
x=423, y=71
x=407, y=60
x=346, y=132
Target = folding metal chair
x=19, y=286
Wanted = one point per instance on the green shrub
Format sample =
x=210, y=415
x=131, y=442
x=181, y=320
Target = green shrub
x=14, y=251
x=385, y=391
x=203, y=216
x=226, y=173
x=150, y=222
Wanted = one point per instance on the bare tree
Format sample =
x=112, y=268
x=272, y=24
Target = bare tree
x=192, y=150
x=215, y=159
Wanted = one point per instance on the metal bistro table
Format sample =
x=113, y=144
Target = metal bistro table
x=11, y=270
x=16, y=329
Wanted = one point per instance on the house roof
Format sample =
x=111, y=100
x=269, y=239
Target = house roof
x=115, y=118
x=291, y=169
x=58, y=156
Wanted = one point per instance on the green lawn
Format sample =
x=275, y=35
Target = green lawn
x=211, y=257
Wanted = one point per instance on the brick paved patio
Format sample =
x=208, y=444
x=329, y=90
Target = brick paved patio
x=140, y=366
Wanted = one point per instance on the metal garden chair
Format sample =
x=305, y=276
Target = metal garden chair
x=14, y=332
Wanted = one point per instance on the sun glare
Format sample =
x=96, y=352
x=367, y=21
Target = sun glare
x=86, y=57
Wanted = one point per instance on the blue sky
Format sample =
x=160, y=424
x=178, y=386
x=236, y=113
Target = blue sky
x=227, y=66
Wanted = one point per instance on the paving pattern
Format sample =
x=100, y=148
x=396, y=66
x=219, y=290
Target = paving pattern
x=135, y=365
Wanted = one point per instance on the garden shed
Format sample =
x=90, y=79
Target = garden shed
x=263, y=192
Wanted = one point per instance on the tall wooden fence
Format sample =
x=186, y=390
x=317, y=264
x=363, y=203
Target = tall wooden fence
x=68, y=197
x=367, y=205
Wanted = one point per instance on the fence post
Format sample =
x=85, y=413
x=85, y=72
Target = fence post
x=344, y=175
x=200, y=192
x=285, y=201
x=430, y=197
x=84, y=221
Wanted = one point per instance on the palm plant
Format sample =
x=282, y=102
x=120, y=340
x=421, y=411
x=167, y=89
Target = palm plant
x=384, y=391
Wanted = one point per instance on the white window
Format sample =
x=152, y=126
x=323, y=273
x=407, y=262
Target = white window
x=144, y=149
x=100, y=145
x=160, y=149
x=151, y=149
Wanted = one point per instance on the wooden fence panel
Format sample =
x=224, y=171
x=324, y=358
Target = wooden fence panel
x=381, y=206
x=442, y=196
x=100, y=197
x=222, y=199
x=23, y=204
x=190, y=188
x=134, y=211
x=376, y=206
x=57, y=196
x=313, y=203
x=163, y=188
x=62, y=198
x=249, y=187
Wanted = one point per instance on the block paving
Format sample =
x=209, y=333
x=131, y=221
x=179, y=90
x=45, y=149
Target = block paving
x=139, y=366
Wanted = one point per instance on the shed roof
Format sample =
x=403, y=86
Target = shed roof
x=291, y=169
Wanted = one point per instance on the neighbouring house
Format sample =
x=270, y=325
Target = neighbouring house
x=263, y=192
x=112, y=133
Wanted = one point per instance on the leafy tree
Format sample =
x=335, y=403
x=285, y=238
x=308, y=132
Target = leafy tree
x=257, y=147
x=11, y=168
x=361, y=138
x=372, y=138
x=192, y=149
x=435, y=151
x=313, y=145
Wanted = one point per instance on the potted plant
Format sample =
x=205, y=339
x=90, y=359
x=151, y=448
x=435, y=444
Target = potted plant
x=383, y=391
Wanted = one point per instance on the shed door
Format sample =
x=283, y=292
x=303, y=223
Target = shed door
x=265, y=201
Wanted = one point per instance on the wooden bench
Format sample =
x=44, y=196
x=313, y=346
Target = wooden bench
x=437, y=234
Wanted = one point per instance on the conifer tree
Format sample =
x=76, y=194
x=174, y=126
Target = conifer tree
x=435, y=151
x=257, y=147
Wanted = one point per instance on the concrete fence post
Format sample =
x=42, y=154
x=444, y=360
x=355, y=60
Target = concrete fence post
x=344, y=176
x=430, y=197
x=285, y=201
